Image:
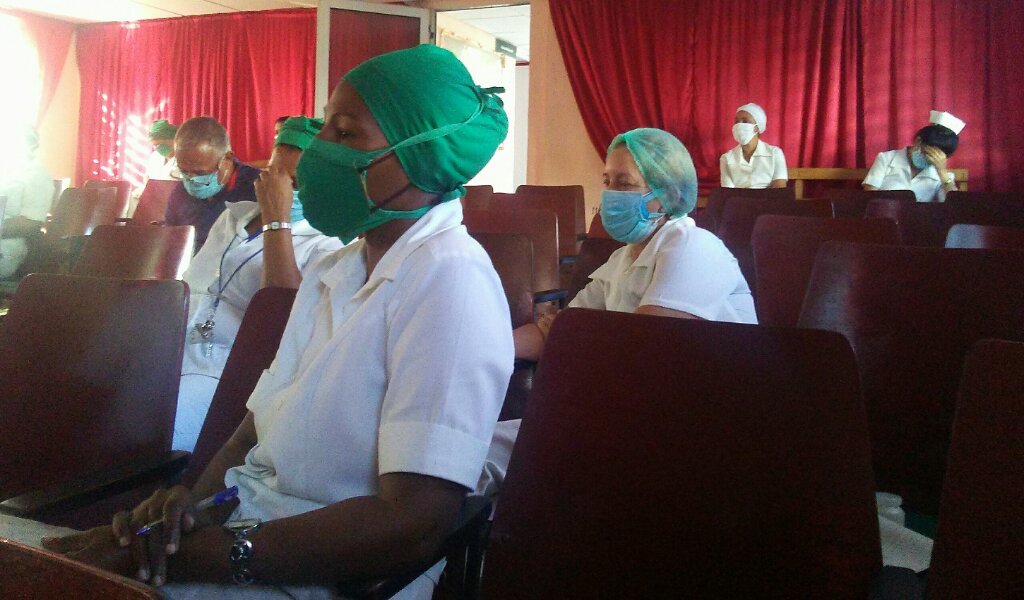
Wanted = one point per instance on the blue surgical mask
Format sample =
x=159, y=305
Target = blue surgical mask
x=625, y=216
x=919, y=159
x=203, y=187
x=296, y=215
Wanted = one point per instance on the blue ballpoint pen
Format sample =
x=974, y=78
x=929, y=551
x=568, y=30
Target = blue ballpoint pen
x=215, y=500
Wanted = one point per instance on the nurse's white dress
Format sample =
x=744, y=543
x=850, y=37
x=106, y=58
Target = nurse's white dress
x=231, y=260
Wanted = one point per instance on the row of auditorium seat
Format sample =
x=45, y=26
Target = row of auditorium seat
x=746, y=471
x=962, y=297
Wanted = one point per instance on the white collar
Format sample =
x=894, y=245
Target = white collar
x=441, y=218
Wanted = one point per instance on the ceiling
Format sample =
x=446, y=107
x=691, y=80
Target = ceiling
x=91, y=11
x=510, y=23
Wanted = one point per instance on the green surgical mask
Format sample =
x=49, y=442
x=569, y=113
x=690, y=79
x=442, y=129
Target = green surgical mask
x=332, y=191
x=164, y=150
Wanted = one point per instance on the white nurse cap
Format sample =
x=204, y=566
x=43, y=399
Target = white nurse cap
x=937, y=117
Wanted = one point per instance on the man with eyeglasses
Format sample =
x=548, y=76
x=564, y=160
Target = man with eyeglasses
x=210, y=176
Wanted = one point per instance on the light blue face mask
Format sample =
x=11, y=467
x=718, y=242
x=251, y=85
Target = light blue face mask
x=625, y=216
x=203, y=187
x=296, y=215
x=919, y=159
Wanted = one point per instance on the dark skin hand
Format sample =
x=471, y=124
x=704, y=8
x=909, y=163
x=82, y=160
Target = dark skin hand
x=361, y=537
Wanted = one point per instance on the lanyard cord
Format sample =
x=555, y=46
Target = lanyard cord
x=220, y=271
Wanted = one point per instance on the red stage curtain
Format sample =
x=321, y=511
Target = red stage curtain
x=244, y=69
x=52, y=39
x=840, y=81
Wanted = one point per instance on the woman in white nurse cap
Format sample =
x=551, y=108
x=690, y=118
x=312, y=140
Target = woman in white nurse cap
x=753, y=163
x=920, y=167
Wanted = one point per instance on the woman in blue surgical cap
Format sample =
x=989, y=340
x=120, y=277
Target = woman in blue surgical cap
x=669, y=266
x=753, y=163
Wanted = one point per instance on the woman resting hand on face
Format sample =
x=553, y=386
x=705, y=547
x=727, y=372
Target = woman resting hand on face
x=920, y=167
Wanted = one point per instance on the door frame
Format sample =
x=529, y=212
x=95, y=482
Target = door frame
x=323, y=36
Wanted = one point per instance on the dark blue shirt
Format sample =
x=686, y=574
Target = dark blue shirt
x=183, y=209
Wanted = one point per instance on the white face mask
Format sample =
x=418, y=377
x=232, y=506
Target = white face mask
x=743, y=133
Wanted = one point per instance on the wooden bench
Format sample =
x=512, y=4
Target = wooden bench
x=798, y=175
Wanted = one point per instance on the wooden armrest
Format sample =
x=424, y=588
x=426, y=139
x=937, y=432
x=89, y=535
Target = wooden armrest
x=71, y=495
x=467, y=532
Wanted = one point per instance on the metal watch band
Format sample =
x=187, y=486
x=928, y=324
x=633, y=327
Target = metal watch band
x=241, y=551
x=275, y=225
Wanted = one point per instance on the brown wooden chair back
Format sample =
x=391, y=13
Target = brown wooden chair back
x=541, y=226
x=80, y=210
x=153, y=202
x=911, y=315
x=594, y=252
x=743, y=474
x=784, y=250
x=512, y=257
x=977, y=551
x=477, y=196
x=711, y=217
x=928, y=223
x=963, y=235
x=569, y=203
x=89, y=371
x=27, y=572
x=1000, y=209
x=852, y=204
x=597, y=229
x=124, y=191
x=145, y=252
x=259, y=336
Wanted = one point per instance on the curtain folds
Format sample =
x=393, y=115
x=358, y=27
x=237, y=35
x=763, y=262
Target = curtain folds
x=840, y=80
x=244, y=69
x=51, y=39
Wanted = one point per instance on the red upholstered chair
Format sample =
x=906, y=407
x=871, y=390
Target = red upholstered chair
x=89, y=372
x=911, y=314
x=124, y=191
x=27, y=572
x=541, y=226
x=593, y=253
x=477, y=196
x=854, y=203
x=784, y=250
x=743, y=473
x=963, y=235
x=710, y=218
x=259, y=336
x=145, y=252
x=80, y=210
x=977, y=551
x=153, y=202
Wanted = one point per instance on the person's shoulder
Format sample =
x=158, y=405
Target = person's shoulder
x=247, y=174
x=686, y=237
x=731, y=155
x=451, y=245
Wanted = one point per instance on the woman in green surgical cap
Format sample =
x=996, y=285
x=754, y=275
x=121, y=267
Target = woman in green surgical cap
x=669, y=266
x=374, y=420
x=160, y=162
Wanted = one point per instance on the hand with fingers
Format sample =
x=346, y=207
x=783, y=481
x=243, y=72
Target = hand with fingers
x=935, y=156
x=274, y=194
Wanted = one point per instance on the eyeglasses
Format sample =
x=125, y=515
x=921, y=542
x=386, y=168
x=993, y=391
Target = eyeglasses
x=180, y=175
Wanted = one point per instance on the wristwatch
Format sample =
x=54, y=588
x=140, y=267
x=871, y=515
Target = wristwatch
x=240, y=554
x=275, y=225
